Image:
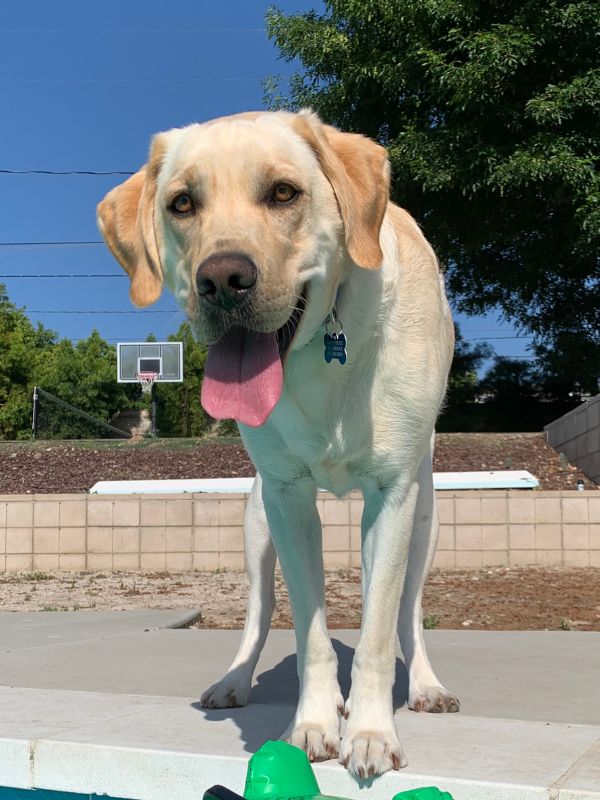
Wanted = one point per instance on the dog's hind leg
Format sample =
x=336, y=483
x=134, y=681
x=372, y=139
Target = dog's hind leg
x=234, y=688
x=425, y=691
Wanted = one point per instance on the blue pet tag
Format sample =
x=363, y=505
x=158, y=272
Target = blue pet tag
x=335, y=347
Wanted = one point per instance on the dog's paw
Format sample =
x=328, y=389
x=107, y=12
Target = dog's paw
x=434, y=699
x=368, y=753
x=229, y=692
x=319, y=742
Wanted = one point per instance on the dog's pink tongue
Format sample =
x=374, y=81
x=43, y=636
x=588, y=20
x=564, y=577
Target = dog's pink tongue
x=243, y=377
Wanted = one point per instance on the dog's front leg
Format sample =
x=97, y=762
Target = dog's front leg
x=234, y=688
x=296, y=531
x=370, y=745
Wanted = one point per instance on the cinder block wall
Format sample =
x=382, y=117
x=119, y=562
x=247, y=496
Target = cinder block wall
x=78, y=533
x=517, y=528
x=577, y=435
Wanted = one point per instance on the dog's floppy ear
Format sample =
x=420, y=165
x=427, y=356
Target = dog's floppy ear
x=359, y=172
x=126, y=220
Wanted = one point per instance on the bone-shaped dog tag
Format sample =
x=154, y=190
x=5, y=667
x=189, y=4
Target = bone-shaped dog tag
x=335, y=347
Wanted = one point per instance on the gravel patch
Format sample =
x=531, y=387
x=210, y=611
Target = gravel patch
x=524, y=598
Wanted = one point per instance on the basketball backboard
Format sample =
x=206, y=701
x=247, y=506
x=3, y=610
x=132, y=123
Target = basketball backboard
x=163, y=358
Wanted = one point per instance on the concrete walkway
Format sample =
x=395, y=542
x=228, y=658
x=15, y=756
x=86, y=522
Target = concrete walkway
x=107, y=703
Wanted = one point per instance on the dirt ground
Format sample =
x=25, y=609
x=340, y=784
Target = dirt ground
x=525, y=598
x=52, y=466
x=488, y=599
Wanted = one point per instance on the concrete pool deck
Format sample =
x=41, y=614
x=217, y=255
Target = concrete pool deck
x=107, y=703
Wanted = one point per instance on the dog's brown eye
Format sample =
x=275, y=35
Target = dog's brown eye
x=182, y=204
x=283, y=193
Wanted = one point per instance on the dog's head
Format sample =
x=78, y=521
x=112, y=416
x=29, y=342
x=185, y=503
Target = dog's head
x=250, y=221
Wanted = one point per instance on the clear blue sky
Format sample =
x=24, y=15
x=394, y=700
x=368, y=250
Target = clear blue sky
x=84, y=87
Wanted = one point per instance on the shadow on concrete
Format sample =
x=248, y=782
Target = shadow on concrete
x=268, y=712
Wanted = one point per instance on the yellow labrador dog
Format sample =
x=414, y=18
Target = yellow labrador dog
x=330, y=340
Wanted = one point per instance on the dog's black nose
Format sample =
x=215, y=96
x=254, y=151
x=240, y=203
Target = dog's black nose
x=226, y=279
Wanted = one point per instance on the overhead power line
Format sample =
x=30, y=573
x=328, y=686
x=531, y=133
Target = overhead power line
x=484, y=330
x=177, y=311
x=207, y=79
x=91, y=242
x=95, y=311
x=67, y=275
x=64, y=172
x=511, y=357
x=127, y=336
x=123, y=338
x=132, y=30
x=495, y=338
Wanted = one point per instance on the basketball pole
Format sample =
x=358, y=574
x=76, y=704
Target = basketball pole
x=36, y=411
x=149, y=363
x=153, y=429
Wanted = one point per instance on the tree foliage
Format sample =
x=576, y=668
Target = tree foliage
x=84, y=375
x=21, y=348
x=179, y=409
x=81, y=374
x=488, y=392
x=463, y=383
x=510, y=396
x=491, y=113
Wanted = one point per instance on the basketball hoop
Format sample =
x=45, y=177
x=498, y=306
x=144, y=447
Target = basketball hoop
x=147, y=380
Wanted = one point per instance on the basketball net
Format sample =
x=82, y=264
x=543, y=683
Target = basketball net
x=147, y=380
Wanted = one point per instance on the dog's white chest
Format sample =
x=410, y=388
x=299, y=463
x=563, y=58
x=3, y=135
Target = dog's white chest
x=315, y=425
x=339, y=479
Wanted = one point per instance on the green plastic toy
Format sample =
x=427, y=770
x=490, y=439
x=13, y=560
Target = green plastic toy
x=279, y=771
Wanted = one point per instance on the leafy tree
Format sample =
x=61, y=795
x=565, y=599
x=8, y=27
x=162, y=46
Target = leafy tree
x=463, y=384
x=463, y=381
x=83, y=375
x=512, y=396
x=179, y=411
x=566, y=372
x=509, y=381
x=21, y=345
x=491, y=113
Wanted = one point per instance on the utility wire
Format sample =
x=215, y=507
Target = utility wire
x=111, y=340
x=125, y=337
x=91, y=242
x=67, y=275
x=209, y=79
x=484, y=330
x=495, y=338
x=64, y=172
x=175, y=311
x=132, y=30
x=94, y=311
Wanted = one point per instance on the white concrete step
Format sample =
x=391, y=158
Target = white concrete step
x=152, y=748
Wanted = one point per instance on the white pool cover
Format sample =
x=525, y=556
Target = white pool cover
x=506, y=479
